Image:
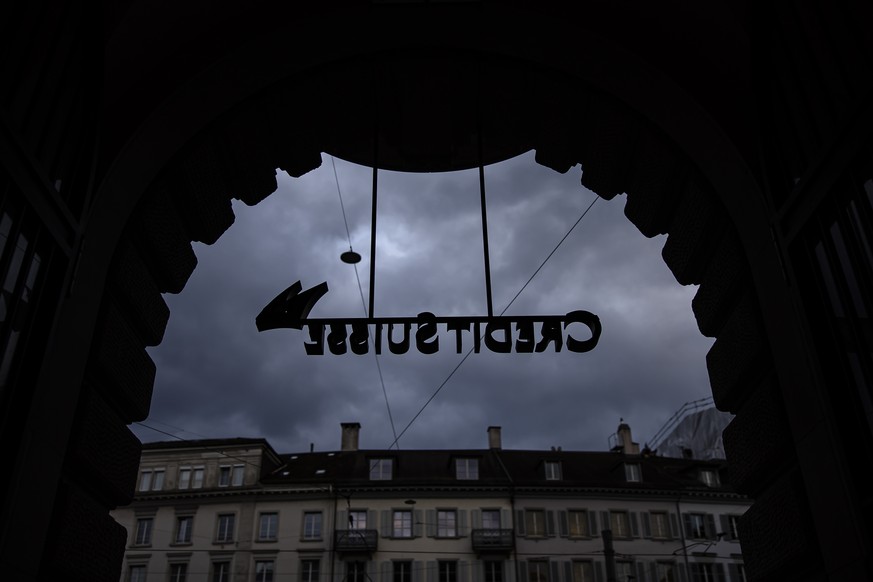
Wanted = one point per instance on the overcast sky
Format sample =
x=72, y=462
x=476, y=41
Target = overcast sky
x=217, y=376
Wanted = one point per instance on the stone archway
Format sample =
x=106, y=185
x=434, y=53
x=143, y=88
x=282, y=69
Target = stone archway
x=618, y=149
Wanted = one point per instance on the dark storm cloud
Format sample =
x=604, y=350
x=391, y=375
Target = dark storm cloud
x=219, y=377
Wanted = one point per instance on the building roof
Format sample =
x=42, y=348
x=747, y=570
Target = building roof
x=517, y=469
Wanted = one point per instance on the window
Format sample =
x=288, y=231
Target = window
x=695, y=525
x=538, y=571
x=268, y=525
x=447, y=523
x=660, y=525
x=578, y=523
x=402, y=571
x=151, y=480
x=733, y=525
x=356, y=572
x=309, y=570
x=184, y=477
x=143, y=535
x=583, y=572
x=632, y=472
x=224, y=476
x=707, y=572
x=238, y=475
x=221, y=572
x=553, y=471
x=666, y=572
x=178, y=572
x=618, y=522
x=467, y=469
x=709, y=477
x=136, y=573
x=493, y=571
x=740, y=573
x=447, y=571
x=264, y=571
x=224, y=532
x=380, y=469
x=624, y=571
x=312, y=525
x=535, y=523
x=197, y=478
x=183, y=529
x=402, y=527
x=490, y=519
x=357, y=520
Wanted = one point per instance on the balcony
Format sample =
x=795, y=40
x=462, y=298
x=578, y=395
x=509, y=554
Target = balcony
x=361, y=541
x=496, y=541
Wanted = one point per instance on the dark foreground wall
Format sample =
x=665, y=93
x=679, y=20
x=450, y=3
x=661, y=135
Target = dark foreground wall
x=741, y=131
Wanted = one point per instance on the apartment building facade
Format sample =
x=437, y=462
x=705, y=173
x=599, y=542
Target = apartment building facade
x=233, y=510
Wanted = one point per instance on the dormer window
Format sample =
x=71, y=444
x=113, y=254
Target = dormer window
x=632, y=472
x=467, y=469
x=709, y=477
x=553, y=470
x=381, y=469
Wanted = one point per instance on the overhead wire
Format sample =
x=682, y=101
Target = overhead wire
x=364, y=305
x=508, y=305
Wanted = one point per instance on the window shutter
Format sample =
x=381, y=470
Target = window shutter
x=604, y=520
x=592, y=524
x=431, y=520
x=719, y=572
x=564, y=524
x=386, y=571
x=598, y=571
x=519, y=525
x=709, y=525
x=568, y=571
x=477, y=570
x=687, y=521
x=371, y=519
x=522, y=571
x=550, y=523
x=725, y=527
x=462, y=571
x=505, y=518
x=734, y=572
x=647, y=525
x=653, y=571
x=462, y=523
x=641, y=572
x=417, y=524
x=683, y=575
x=477, y=519
x=431, y=571
x=635, y=526
x=342, y=517
x=674, y=526
x=386, y=523
x=417, y=574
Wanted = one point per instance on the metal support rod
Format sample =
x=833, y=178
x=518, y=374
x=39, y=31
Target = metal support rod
x=608, y=554
x=373, y=225
x=485, y=231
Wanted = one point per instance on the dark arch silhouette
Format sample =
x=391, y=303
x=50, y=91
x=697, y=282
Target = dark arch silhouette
x=179, y=109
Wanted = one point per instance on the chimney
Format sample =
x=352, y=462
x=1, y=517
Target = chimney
x=494, y=438
x=350, y=436
x=628, y=447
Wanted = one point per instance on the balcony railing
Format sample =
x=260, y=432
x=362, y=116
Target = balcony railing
x=492, y=540
x=356, y=540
